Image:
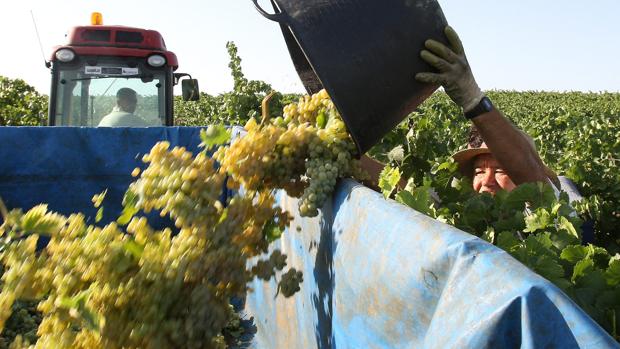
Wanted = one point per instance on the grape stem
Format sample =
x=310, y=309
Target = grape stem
x=265, y=107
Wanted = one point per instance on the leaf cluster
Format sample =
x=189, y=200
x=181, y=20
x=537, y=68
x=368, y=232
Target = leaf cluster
x=21, y=104
x=234, y=107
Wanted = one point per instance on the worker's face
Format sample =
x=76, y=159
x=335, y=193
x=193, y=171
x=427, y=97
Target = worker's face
x=489, y=176
x=128, y=104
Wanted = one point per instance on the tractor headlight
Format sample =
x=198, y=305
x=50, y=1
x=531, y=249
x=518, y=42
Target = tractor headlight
x=156, y=60
x=65, y=55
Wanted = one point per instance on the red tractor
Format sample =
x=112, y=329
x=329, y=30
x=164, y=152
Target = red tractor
x=114, y=76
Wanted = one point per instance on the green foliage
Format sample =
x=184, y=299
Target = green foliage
x=21, y=104
x=214, y=135
x=420, y=198
x=535, y=227
x=235, y=107
x=388, y=179
x=577, y=135
x=130, y=207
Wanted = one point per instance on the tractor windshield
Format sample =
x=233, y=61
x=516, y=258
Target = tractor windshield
x=114, y=93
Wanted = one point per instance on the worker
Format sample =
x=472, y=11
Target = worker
x=488, y=176
x=504, y=156
x=123, y=113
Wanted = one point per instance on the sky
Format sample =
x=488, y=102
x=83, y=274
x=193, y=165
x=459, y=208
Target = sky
x=550, y=45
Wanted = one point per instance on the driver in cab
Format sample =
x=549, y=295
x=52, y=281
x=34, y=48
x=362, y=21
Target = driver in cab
x=123, y=113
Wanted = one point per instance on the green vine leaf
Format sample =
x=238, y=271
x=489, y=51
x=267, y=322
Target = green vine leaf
x=574, y=254
x=130, y=207
x=418, y=199
x=612, y=275
x=538, y=220
x=214, y=135
x=388, y=180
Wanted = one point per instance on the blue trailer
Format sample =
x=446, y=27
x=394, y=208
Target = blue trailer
x=376, y=274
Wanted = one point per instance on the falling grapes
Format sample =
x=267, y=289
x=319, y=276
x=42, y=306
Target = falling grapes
x=128, y=285
x=289, y=284
x=304, y=153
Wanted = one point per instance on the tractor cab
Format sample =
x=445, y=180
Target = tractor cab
x=114, y=76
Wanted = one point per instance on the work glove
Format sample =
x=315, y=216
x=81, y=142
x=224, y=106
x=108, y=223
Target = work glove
x=454, y=72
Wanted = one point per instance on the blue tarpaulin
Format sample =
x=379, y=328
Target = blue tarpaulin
x=65, y=166
x=376, y=274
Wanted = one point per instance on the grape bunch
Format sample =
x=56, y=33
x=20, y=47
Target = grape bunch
x=265, y=269
x=289, y=284
x=304, y=152
x=24, y=321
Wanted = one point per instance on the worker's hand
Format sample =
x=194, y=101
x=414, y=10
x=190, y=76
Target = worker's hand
x=454, y=72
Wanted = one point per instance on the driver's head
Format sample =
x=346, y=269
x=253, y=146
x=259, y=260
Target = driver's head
x=126, y=99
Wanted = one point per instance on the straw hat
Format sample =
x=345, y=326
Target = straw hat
x=465, y=158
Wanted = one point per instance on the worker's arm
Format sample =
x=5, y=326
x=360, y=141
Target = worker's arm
x=373, y=168
x=507, y=144
x=510, y=148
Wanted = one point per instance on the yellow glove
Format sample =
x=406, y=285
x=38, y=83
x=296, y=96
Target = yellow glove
x=454, y=72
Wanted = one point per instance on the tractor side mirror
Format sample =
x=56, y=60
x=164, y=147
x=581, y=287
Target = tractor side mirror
x=190, y=90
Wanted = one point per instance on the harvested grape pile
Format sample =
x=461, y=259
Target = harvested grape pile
x=127, y=285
